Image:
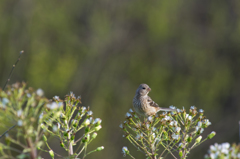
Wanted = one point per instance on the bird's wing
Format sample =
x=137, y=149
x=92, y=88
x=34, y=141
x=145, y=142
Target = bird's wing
x=151, y=102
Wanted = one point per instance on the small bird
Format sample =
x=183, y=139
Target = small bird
x=144, y=105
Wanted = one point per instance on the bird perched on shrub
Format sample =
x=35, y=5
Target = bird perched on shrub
x=144, y=105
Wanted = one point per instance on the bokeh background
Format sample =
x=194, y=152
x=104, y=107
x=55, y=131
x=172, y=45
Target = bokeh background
x=188, y=52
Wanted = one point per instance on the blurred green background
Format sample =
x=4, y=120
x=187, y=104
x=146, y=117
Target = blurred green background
x=188, y=52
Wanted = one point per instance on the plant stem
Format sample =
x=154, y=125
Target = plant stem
x=70, y=145
x=33, y=152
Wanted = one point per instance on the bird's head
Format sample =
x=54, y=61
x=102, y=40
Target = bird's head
x=143, y=90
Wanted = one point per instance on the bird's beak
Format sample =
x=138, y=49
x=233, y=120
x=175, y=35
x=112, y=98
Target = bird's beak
x=149, y=89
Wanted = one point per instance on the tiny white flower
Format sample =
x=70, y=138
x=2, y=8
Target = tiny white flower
x=164, y=113
x=180, y=144
x=90, y=112
x=238, y=155
x=153, y=135
x=53, y=105
x=150, y=118
x=174, y=136
x=225, y=151
x=138, y=124
x=125, y=150
x=137, y=137
x=56, y=98
x=147, y=125
x=55, y=128
x=167, y=118
x=40, y=92
x=171, y=123
x=175, y=123
x=128, y=115
x=97, y=120
x=176, y=129
x=197, y=128
x=83, y=109
x=201, y=110
x=172, y=107
x=213, y=148
x=20, y=123
x=121, y=126
x=179, y=110
x=19, y=112
x=91, y=119
x=207, y=122
x=199, y=124
x=213, y=156
x=189, y=117
x=131, y=111
x=225, y=145
x=154, y=129
x=87, y=122
x=192, y=107
x=41, y=115
x=29, y=95
x=5, y=101
x=60, y=104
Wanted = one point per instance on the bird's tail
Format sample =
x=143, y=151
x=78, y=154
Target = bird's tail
x=166, y=109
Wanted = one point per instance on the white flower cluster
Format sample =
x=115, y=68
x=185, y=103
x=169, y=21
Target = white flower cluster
x=223, y=150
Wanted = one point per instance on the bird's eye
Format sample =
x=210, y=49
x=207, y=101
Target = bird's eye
x=144, y=88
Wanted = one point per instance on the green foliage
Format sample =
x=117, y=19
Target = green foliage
x=67, y=125
x=35, y=117
x=174, y=132
x=23, y=107
x=223, y=151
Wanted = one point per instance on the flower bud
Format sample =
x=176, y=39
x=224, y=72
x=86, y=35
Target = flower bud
x=125, y=150
x=98, y=128
x=180, y=153
x=61, y=144
x=213, y=133
x=44, y=138
x=51, y=153
x=94, y=135
x=100, y=148
x=189, y=139
x=198, y=139
x=72, y=137
x=180, y=145
x=63, y=116
x=74, y=123
x=65, y=133
x=86, y=138
x=87, y=122
x=97, y=121
x=87, y=129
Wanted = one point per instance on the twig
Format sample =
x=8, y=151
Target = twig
x=9, y=77
x=7, y=131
